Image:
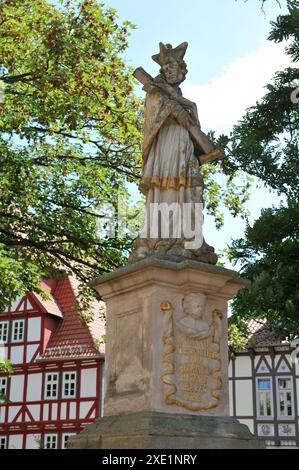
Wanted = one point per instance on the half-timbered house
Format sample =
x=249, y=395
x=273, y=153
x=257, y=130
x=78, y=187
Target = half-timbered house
x=264, y=387
x=56, y=385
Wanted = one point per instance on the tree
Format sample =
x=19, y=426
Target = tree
x=69, y=133
x=265, y=143
x=70, y=137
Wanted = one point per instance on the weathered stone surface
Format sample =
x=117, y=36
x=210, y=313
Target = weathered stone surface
x=151, y=340
x=153, y=430
x=146, y=406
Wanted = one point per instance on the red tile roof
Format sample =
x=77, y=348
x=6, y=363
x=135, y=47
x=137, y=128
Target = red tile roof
x=72, y=338
x=49, y=305
x=261, y=334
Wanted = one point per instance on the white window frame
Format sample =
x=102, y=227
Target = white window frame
x=53, y=438
x=68, y=382
x=3, y=386
x=286, y=377
x=258, y=398
x=4, y=323
x=51, y=382
x=17, y=323
x=3, y=442
x=64, y=435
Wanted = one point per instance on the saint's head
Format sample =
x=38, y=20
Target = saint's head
x=173, y=67
x=194, y=304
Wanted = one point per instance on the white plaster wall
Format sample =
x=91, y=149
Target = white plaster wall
x=54, y=411
x=34, y=387
x=13, y=410
x=243, y=366
x=16, y=354
x=29, y=305
x=73, y=410
x=297, y=388
x=244, y=399
x=249, y=423
x=32, y=441
x=230, y=392
x=35, y=411
x=46, y=412
x=88, y=382
x=276, y=359
x=84, y=408
x=287, y=357
x=16, y=388
x=63, y=411
x=34, y=328
x=15, y=304
x=267, y=357
x=230, y=368
x=30, y=351
x=2, y=414
x=15, y=441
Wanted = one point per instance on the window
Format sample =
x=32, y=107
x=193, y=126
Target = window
x=51, y=385
x=3, y=442
x=65, y=438
x=264, y=398
x=50, y=441
x=69, y=385
x=18, y=327
x=285, y=397
x=3, y=388
x=4, y=331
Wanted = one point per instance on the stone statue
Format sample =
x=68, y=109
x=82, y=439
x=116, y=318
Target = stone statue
x=174, y=147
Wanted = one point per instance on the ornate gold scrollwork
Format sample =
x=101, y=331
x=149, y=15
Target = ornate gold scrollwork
x=169, y=361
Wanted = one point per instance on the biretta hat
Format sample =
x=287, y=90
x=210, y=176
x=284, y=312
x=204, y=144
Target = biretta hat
x=167, y=53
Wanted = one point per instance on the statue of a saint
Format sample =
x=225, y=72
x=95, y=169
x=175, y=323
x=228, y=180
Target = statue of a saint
x=174, y=147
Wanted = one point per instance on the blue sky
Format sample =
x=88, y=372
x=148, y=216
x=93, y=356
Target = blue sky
x=229, y=61
x=218, y=31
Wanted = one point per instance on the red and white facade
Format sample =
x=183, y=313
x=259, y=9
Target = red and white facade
x=56, y=385
x=264, y=386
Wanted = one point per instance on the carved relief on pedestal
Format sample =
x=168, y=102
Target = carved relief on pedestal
x=191, y=354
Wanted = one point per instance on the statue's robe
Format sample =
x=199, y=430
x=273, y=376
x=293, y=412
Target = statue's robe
x=169, y=160
x=173, y=148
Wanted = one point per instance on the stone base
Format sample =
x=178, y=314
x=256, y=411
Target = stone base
x=144, y=316
x=154, y=430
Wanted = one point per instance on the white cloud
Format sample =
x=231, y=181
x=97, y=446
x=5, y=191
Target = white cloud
x=223, y=101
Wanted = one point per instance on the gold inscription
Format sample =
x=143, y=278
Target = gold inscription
x=188, y=370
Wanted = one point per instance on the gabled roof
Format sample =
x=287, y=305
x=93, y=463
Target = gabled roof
x=261, y=333
x=49, y=305
x=33, y=301
x=72, y=339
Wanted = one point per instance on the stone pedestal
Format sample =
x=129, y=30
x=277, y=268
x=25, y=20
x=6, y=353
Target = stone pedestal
x=166, y=358
x=153, y=430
